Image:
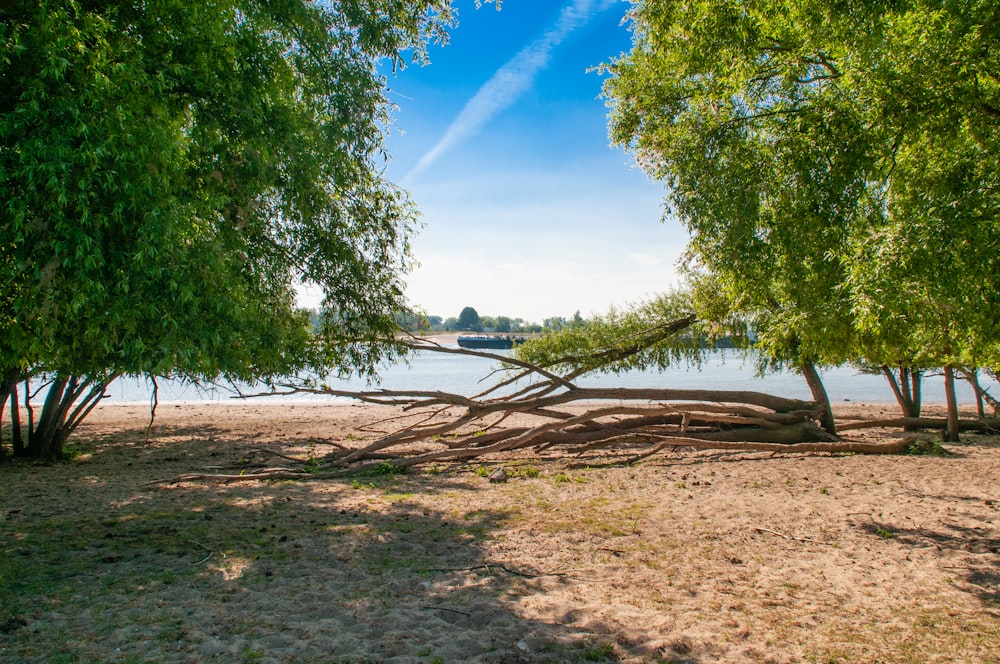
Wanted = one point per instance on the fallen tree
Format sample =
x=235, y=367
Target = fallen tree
x=535, y=410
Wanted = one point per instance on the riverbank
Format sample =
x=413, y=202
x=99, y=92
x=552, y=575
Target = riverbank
x=696, y=557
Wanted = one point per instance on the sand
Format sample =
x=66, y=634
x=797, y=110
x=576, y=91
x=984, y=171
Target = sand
x=688, y=557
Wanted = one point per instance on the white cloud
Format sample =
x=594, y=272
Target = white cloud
x=512, y=79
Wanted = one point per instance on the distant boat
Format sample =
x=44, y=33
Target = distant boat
x=488, y=341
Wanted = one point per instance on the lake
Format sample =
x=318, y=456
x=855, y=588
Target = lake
x=467, y=375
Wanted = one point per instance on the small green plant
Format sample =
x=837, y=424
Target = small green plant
x=483, y=471
x=885, y=534
x=680, y=485
x=388, y=468
x=923, y=446
x=358, y=484
x=312, y=463
x=525, y=472
x=561, y=477
x=824, y=491
x=397, y=497
x=71, y=452
x=597, y=652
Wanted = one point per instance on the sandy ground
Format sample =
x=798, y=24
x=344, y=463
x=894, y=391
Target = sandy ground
x=688, y=557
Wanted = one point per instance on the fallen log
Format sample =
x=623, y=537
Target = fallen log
x=985, y=425
x=554, y=412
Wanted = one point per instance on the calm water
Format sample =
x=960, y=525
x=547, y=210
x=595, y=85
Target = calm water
x=470, y=375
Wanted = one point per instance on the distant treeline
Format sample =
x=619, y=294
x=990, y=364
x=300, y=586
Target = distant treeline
x=469, y=320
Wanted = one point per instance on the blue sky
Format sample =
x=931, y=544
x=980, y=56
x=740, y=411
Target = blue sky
x=502, y=142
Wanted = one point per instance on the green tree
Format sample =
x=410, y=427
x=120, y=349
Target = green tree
x=468, y=319
x=835, y=164
x=651, y=335
x=412, y=321
x=169, y=171
x=554, y=323
x=925, y=269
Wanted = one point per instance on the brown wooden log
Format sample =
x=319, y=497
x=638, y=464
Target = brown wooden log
x=991, y=424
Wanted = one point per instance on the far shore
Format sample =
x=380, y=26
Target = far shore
x=451, y=338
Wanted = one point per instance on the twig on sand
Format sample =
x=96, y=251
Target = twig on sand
x=265, y=474
x=282, y=455
x=617, y=552
x=790, y=537
x=488, y=566
x=442, y=608
x=197, y=543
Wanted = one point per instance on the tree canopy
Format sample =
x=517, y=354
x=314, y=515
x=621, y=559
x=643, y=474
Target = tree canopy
x=468, y=319
x=171, y=170
x=836, y=164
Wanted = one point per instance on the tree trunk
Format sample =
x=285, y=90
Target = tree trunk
x=815, y=383
x=6, y=390
x=43, y=439
x=916, y=376
x=982, y=396
x=951, y=434
x=16, y=432
x=906, y=389
x=68, y=402
x=973, y=378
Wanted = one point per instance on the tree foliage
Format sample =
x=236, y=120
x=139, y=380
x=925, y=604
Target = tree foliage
x=836, y=164
x=651, y=335
x=170, y=170
x=468, y=319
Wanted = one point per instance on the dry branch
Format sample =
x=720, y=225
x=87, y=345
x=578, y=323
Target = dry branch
x=551, y=411
x=987, y=425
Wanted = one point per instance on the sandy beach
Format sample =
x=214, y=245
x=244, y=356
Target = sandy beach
x=686, y=557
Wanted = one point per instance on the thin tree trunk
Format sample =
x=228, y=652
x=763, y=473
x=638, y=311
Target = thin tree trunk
x=971, y=376
x=949, y=394
x=30, y=411
x=819, y=394
x=906, y=389
x=16, y=432
x=982, y=396
x=6, y=388
x=42, y=438
x=900, y=390
x=83, y=409
x=916, y=378
x=67, y=403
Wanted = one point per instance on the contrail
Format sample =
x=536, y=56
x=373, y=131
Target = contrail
x=511, y=80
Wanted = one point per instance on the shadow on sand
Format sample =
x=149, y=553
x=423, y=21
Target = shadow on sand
x=99, y=566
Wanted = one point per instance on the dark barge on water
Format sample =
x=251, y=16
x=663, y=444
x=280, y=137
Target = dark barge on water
x=489, y=341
